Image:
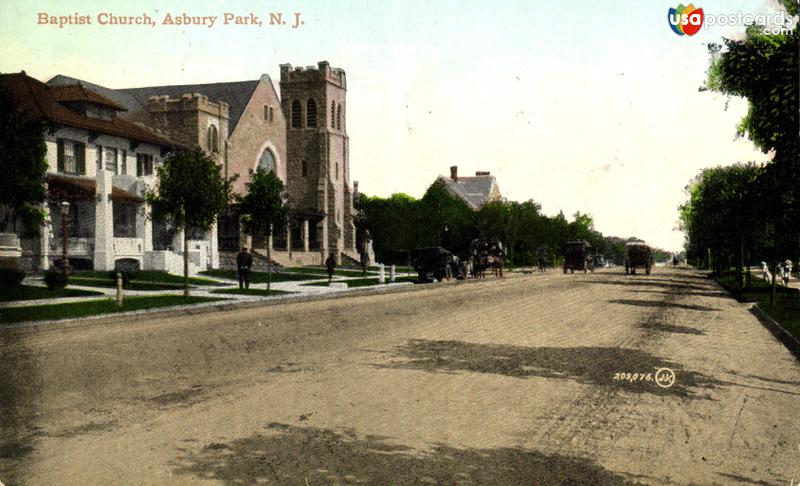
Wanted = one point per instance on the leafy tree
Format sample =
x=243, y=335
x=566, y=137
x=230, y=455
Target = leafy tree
x=264, y=207
x=23, y=165
x=762, y=67
x=191, y=192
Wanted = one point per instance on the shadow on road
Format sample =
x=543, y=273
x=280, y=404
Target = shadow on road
x=677, y=287
x=19, y=390
x=658, y=303
x=590, y=365
x=286, y=454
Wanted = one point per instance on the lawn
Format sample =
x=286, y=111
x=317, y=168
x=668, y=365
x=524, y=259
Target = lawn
x=324, y=271
x=131, y=285
x=260, y=292
x=27, y=292
x=787, y=301
x=149, y=276
x=258, y=277
x=94, y=307
x=360, y=282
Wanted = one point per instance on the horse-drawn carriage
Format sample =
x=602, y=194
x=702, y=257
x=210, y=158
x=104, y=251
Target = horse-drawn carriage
x=578, y=256
x=637, y=254
x=434, y=263
x=487, y=254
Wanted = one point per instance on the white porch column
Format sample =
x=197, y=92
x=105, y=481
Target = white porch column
x=144, y=228
x=44, y=241
x=213, y=247
x=305, y=236
x=103, y=223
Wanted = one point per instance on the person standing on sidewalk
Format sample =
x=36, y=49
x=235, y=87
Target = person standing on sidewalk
x=244, y=261
x=330, y=264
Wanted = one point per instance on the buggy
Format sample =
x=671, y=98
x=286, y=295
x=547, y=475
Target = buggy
x=434, y=263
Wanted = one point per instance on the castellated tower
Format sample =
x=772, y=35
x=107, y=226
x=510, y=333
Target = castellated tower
x=191, y=120
x=314, y=105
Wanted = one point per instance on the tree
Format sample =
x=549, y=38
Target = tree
x=762, y=67
x=264, y=207
x=191, y=192
x=23, y=165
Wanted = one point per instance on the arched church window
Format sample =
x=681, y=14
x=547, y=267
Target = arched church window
x=339, y=117
x=311, y=113
x=213, y=139
x=267, y=161
x=333, y=114
x=297, y=114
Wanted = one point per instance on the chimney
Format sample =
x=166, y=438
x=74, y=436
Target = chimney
x=454, y=172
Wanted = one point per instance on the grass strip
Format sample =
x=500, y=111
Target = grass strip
x=95, y=307
x=28, y=292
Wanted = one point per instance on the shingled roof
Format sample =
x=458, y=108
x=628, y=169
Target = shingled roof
x=475, y=191
x=78, y=92
x=39, y=101
x=236, y=94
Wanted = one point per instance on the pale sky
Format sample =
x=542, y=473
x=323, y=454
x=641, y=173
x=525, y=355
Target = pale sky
x=578, y=105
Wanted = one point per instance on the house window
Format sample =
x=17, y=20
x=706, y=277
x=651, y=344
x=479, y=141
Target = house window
x=304, y=168
x=213, y=139
x=339, y=117
x=124, y=169
x=297, y=114
x=144, y=165
x=71, y=157
x=333, y=114
x=124, y=220
x=311, y=113
x=110, y=158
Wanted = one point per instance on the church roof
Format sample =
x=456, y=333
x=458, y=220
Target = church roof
x=236, y=94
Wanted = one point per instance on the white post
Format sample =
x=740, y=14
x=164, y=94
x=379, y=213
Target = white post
x=391, y=273
x=381, y=275
x=119, y=290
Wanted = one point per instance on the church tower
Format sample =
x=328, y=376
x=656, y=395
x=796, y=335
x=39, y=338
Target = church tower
x=318, y=171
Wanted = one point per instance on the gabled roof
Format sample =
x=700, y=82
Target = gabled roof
x=78, y=92
x=475, y=191
x=236, y=94
x=37, y=100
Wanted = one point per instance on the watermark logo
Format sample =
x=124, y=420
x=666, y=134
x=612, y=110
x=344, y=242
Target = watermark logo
x=685, y=20
x=665, y=377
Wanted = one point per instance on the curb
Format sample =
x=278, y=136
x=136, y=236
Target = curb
x=781, y=334
x=230, y=306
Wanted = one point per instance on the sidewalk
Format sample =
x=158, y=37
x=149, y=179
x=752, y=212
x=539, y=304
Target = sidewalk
x=294, y=287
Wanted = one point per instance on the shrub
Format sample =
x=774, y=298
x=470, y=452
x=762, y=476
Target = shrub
x=10, y=278
x=55, y=279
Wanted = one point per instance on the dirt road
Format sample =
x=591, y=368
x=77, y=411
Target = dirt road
x=516, y=381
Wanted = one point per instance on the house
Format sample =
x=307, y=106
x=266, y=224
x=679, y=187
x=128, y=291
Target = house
x=474, y=191
x=300, y=135
x=99, y=167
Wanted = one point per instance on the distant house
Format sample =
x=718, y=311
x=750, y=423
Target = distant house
x=475, y=191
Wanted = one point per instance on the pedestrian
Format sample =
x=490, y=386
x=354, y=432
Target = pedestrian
x=330, y=264
x=244, y=261
x=786, y=272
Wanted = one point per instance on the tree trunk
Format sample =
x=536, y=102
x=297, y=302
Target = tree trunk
x=186, y=263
